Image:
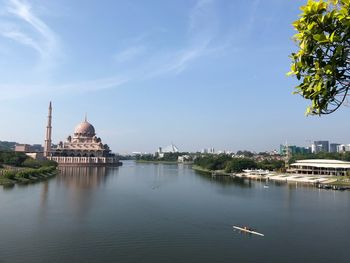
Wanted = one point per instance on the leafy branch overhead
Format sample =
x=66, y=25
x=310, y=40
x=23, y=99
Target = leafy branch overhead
x=322, y=62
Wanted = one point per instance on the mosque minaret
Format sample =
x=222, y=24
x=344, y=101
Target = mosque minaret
x=84, y=148
x=48, y=141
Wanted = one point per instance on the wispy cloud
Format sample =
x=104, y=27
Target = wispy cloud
x=90, y=85
x=201, y=30
x=200, y=39
x=175, y=62
x=25, y=27
x=23, y=39
x=130, y=53
x=202, y=17
x=12, y=91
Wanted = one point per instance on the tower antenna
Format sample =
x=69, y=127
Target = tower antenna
x=286, y=160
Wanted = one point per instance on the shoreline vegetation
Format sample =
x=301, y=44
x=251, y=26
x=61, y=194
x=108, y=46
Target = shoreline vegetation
x=333, y=181
x=233, y=167
x=273, y=168
x=9, y=178
x=17, y=168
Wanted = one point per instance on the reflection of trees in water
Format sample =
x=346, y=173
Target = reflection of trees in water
x=82, y=184
x=225, y=180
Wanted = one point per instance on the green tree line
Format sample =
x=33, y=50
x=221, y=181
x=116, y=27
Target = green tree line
x=21, y=160
x=230, y=164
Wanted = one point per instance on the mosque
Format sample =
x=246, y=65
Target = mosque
x=84, y=148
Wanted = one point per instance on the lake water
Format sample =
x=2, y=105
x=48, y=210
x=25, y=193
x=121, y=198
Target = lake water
x=169, y=213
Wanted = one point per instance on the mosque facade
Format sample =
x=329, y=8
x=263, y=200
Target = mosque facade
x=83, y=148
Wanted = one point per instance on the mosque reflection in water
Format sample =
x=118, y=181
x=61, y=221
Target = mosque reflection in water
x=77, y=187
x=83, y=177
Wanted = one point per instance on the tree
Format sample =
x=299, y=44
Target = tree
x=12, y=158
x=322, y=62
x=239, y=164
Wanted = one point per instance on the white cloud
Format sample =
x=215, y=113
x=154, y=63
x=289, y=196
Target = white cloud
x=23, y=39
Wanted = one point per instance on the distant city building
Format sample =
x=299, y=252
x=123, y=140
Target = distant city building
x=293, y=149
x=320, y=146
x=27, y=148
x=139, y=153
x=333, y=147
x=168, y=149
x=341, y=148
x=34, y=151
x=208, y=150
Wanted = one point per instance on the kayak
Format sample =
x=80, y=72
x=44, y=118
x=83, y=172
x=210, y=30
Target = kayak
x=248, y=231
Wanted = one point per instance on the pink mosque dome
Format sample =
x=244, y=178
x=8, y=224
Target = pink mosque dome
x=84, y=129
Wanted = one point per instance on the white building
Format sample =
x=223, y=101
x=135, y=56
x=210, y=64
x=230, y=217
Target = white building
x=168, y=149
x=321, y=167
x=343, y=148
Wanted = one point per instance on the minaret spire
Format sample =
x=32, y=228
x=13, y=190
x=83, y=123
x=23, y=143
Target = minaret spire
x=85, y=117
x=48, y=142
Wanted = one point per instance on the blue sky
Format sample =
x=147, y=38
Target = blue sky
x=198, y=73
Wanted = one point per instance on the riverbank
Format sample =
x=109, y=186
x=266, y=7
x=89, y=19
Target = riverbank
x=10, y=178
x=212, y=172
x=343, y=181
x=305, y=179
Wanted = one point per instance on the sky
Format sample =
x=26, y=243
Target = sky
x=196, y=73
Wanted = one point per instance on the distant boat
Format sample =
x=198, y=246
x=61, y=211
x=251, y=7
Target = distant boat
x=266, y=186
x=248, y=230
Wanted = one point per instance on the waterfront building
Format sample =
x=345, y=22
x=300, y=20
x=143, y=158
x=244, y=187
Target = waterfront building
x=320, y=167
x=184, y=159
x=84, y=148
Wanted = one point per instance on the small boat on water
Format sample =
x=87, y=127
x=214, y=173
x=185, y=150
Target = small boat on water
x=248, y=230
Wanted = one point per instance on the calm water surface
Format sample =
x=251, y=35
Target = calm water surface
x=169, y=213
